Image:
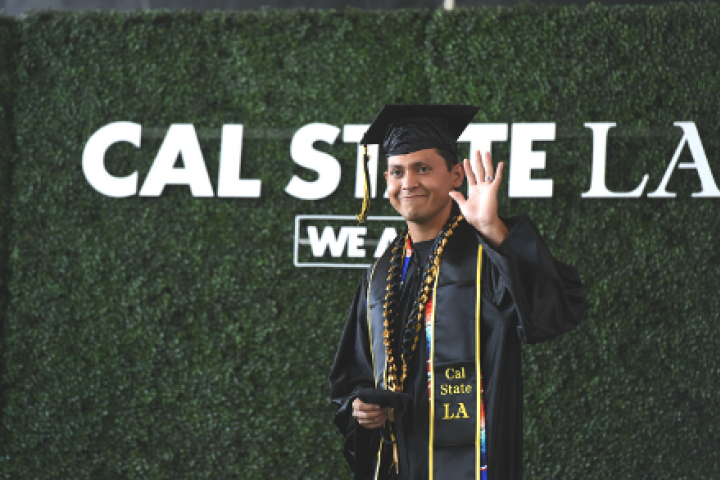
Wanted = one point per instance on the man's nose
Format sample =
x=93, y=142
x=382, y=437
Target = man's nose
x=410, y=180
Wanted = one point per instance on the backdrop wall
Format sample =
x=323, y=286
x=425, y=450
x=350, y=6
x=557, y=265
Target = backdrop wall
x=173, y=337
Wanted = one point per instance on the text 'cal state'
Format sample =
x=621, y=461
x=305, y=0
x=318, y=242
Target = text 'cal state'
x=525, y=164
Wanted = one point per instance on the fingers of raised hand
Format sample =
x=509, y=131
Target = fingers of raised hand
x=482, y=169
x=469, y=173
x=479, y=166
x=488, y=165
x=498, y=176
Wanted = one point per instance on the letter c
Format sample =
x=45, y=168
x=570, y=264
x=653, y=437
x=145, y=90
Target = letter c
x=93, y=161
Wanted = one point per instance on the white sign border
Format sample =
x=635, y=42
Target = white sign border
x=296, y=240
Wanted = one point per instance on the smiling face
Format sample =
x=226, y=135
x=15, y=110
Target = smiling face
x=419, y=184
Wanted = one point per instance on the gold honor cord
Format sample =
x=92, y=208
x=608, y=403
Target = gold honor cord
x=432, y=380
x=478, y=375
x=362, y=217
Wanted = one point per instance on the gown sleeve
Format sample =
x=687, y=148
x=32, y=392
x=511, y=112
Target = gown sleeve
x=352, y=370
x=544, y=296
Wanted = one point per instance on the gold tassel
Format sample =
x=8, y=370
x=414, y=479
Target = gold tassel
x=396, y=460
x=366, y=184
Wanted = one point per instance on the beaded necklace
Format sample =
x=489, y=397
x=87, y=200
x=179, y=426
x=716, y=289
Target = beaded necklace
x=413, y=323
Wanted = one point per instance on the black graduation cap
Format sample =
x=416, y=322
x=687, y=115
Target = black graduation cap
x=457, y=118
x=403, y=129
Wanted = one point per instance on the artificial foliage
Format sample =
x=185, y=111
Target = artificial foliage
x=173, y=337
x=8, y=51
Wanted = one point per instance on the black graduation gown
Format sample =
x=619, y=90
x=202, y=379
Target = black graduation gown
x=527, y=296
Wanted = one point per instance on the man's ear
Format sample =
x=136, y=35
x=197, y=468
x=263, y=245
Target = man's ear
x=457, y=172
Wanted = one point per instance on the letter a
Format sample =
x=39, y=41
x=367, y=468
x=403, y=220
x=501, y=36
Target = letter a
x=692, y=138
x=181, y=140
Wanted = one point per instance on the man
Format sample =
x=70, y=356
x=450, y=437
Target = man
x=458, y=278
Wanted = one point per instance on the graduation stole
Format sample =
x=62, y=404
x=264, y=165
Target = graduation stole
x=457, y=443
x=457, y=447
x=452, y=385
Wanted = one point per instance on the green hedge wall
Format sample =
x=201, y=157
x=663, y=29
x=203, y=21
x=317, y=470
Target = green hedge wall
x=8, y=51
x=172, y=337
x=633, y=393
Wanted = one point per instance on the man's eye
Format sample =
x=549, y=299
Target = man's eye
x=423, y=168
x=395, y=173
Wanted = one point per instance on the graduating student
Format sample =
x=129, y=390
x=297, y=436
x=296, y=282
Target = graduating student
x=427, y=380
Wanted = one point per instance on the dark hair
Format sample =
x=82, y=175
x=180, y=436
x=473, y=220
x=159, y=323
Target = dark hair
x=449, y=157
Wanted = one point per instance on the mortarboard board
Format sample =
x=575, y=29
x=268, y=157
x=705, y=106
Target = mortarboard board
x=403, y=129
x=385, y=398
